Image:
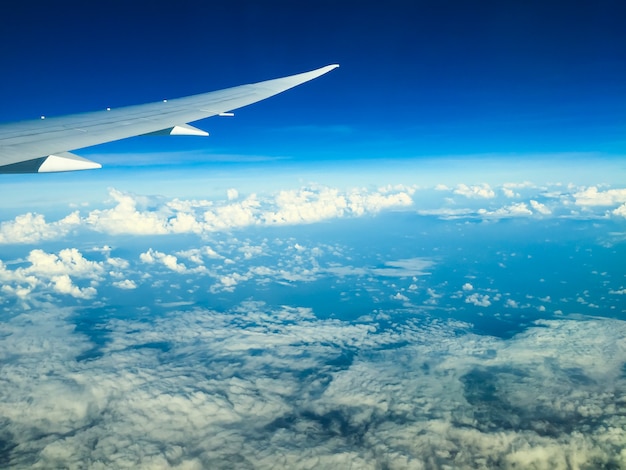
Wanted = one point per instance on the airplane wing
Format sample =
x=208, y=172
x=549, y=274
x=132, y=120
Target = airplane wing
x=44, y=145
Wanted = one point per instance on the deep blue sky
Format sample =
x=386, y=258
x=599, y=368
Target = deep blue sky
x=416, y=78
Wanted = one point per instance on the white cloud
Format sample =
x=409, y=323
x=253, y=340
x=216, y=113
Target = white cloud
x=197, y=255
x=306, y=206
x=591, y=196
x=447, y=213
x=234, y=215
x=41, y=272
x=507, y=188
x=539, y=207
x=63, y=284
x=127, y=217
x=169, y=261
x=475, y=191
x=405, y=267
x=232, y=194
x=399, y=296
x=32, y=228
x=126, y=284
x=509, y=193
x=433, y=297
x=478, y=300
x=620, y=211
x=512, y=210
x=67, y=261
x=268, y=387
x=118, y=263
x=468, y=287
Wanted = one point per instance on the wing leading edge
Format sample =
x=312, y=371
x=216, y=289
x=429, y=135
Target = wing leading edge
x=44, y=145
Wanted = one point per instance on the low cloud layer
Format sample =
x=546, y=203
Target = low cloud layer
x=261, y=387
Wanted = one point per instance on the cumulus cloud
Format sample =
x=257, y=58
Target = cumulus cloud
x=539, y=207
x=126, y=284
x=475, y=191
x=508, y=192
x=33, y=228
x=169, y=261
x=143, y=215
x=592, y=196
x=620, y=211
x=63, y=284
x=67, y=261
x=127, y=216
x=58, y=272
x=232, y=194
x=478, y=300
x=198, y=255
x=399, y=296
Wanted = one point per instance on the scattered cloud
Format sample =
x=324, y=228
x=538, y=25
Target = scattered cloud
x=511, y=303
x=478, y=299
x=169, y=261
x=620, y=211
x=513, y=210
x=126, y=284
x=591, y=196
x=405, y=267
x=54, y=271
x=475, y=191
x=33, y=228
x=232, y=194
x=539, y=207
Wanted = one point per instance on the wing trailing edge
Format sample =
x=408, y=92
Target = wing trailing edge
x=62, y=161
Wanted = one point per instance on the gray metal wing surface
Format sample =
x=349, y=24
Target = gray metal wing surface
x=44, y=145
